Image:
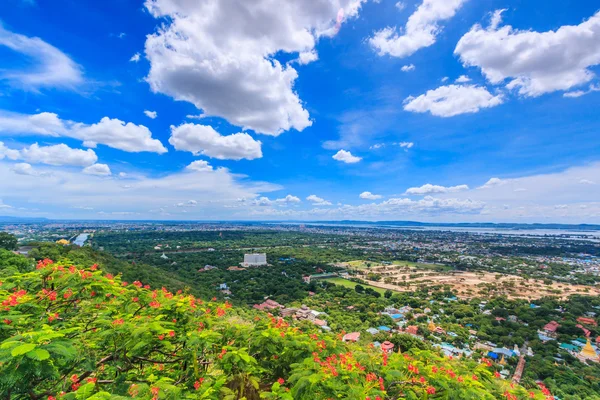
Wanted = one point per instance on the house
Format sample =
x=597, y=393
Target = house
x=269, y=305
x=387, y=346
x=373, y=331
x=587, y=321
x=254, y=260
x=551, y=327
x=384, y=329
x=412, y=330
x=234, y=268
x=351, y=337
x=306, y=278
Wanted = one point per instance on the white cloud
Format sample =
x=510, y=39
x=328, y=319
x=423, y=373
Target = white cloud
x=151, y=114
x=579, y=93
x=431, y=189
x=59, y=154
x=420, y=31
x=189, y=203
x=535, y=63
x=406, y=145
x=451, y=100
x=218, y=55
x=408, y=68
x=400, y=5
x=49, y=67
x=119, y=135
x=203, y=139
x=122, y=175
x=307, y=57
x=346, y=156
x=492, y=182
x=200, y=166
x=586, y=182
x=135, y=58
x=24, y=169
x=318, y=201
x=369, y=196
x=97, y=169
x=110, y=132
x=463, y=79
x=289, y=199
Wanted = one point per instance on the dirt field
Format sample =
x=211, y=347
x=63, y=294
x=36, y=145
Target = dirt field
x=470, y=284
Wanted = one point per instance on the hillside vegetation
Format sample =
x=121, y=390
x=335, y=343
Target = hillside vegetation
x=77, y=332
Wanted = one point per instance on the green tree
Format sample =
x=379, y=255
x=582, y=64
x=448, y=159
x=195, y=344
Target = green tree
x=8, y=241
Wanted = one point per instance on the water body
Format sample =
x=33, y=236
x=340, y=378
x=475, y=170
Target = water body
x=590, y=235
x=80, y=239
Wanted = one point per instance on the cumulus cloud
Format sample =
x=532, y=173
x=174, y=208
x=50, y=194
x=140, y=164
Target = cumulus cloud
x=110, y=132
x=48, y=68
x=346, y=157
x=218, y=55
x=492, y=182
x=534, y=63
x=135, y=58
x=420, y=31
x=408, y=68
x=203, y=139
x=24, y=169
x=289, y=199
x=318, y=201
x=151, y=114
x=431, y=189
x=451, y=100
x=200, y=166
x=463, y=79
x=97, y=169
x=307, y=57
x=59, y=154
x=369, y=196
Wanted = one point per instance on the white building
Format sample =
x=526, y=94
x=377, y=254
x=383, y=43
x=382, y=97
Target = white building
x=254, y=260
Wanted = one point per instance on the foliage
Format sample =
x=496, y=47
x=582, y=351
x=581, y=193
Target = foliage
x=8, y=241
x=79, y=333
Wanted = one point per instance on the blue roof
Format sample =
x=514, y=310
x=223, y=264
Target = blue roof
x=493, y=355
x=384, y=328
x=396, y=316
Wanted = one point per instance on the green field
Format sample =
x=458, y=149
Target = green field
x=351, y=285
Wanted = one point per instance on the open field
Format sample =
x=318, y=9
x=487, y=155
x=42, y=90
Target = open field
x=374, y=266
x=351, y=285
x=473, y=284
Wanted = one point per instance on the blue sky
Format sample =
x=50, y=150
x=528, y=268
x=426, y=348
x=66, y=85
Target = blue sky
x=454, y=110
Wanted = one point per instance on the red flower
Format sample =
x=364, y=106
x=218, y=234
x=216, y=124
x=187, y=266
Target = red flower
x=198, y=383
x=474, y=377
x=68, y=293
x=172, y=333
x=92, y=380
x=280, y=381
x=7, y=321
x=430, y=390
x=94, y=267
x=154, y=304
x=74, y=378
x=496, y=374
x=161, y=337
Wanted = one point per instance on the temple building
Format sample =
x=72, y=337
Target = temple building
x=588, y=353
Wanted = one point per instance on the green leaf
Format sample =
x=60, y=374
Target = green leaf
x=38, y=354
x=22, y=349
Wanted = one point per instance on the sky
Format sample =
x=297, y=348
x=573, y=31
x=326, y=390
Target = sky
x=426, y=110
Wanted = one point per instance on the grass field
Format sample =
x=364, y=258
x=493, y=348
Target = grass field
x=351, y=285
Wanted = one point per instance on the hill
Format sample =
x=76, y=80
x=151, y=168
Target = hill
x=77, y=332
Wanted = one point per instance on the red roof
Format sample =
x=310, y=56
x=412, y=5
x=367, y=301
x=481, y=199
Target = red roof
x=413, y=329
x=386, y=346
x=551, y=326
x=351, y=337
x=587, y=321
